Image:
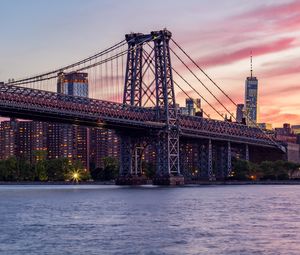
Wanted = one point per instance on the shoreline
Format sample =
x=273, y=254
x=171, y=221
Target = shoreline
x=189, y=183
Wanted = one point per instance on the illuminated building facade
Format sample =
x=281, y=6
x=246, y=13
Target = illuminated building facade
x=8, y=146
x=71, y=141
x=103, y=143
x=23, y=140
x=53, y=141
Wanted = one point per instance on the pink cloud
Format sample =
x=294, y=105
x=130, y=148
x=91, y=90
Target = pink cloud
x=287, y=90
x=277, y=118
x=227, y=58
x=244, y=29
x=283, y=68
x=273, y=11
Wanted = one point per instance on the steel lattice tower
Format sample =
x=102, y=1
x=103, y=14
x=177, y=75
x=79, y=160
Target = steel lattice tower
x=136, y=92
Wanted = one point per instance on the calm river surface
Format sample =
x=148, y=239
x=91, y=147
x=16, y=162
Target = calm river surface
x=149, y=220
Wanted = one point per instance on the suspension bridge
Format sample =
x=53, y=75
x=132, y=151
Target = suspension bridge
x=132, y=89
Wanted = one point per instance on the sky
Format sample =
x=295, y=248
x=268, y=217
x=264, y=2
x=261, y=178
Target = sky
x=40, y=35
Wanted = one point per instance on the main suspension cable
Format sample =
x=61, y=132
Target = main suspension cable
x=207, y=115
x=223, y=92
x=191, y=86
x=40, y=76
x=203, y=84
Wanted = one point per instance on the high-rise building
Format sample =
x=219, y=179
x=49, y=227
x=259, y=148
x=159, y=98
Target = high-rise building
x=265, y=126
x=192, y=107
x=240, y=113
x=251, y=87
x=73, y=84
x=72, y=139
x=39, y=132
x=53, y=140
x=23, y=140
x=8, y=131
x=31, y=137
x=103, y=143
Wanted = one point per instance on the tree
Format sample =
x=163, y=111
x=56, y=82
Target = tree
x=3, y=172
x=292, y=168
x=11, y=167
x=40, y=165
x=240, y=169
x=279, y=170
x=97, y=173
x=57, y=169
x=26, y=170
x=149, y=169
x=111, y=167
x=267, y=170
x=110, y=170
x=254, y=171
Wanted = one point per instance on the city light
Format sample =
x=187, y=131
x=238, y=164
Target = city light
x=75, y=176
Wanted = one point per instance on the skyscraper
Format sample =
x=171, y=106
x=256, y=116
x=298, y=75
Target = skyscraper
x=192, y=107
x=103, y=143
x=73, y=140
x=31, y=137
x=8, y=130
x=240, y=113
x=251, y=86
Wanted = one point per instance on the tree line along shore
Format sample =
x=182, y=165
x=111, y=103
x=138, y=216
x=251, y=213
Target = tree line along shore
x=43, y=170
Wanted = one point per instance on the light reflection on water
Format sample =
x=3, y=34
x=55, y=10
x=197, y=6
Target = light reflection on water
x=90, y=219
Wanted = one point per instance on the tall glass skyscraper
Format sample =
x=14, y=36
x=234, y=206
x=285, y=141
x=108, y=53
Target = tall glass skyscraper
x=251, y=86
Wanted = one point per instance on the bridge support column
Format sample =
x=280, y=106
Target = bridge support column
x=167, y=151
x=206, y=160
x=223, y=160
x=247, y=152
x=131, y=162
x=229, y=158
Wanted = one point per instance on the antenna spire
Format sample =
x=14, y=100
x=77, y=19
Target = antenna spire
x=251, y=69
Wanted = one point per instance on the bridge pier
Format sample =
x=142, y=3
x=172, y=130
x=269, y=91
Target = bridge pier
x=132, y=149
x=167, y=161
x=205, y=160
x=247, y=158
x=223, y=160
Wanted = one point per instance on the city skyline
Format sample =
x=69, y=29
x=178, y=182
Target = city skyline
x=220, y=43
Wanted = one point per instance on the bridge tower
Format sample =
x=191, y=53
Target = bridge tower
x=136, y=92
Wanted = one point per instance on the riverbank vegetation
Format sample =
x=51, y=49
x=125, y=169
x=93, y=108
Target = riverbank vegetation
x=266, y=170
x=16, y=169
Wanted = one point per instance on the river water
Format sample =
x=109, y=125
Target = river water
x=149, y=220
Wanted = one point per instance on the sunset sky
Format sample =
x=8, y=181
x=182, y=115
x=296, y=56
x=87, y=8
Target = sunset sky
x=38, y=36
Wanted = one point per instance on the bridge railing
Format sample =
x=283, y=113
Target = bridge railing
x=223, y=128
x=14, y=96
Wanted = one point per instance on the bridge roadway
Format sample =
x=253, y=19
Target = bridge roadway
x=27, y=103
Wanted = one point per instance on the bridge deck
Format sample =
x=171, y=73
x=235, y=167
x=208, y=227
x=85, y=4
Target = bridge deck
x=30, y=103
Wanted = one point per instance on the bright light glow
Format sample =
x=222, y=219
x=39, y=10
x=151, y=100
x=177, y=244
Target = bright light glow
x=75, y=176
